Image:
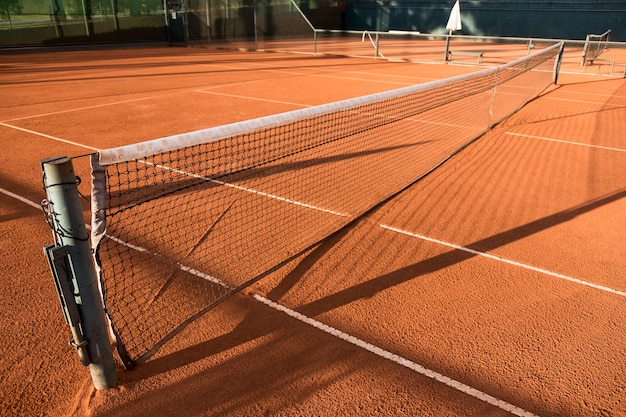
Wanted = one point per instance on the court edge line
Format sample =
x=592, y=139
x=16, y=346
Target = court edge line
x=385, y=354
x=459, y=386
x=505, y=260
x=565, y=141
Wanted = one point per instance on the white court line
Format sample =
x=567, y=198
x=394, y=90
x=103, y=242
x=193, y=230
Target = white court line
x=253, y=98
x=385, y=354
x=115, y=103
x=507, y=261
x=309, y=105
x=586, y=102
x=77, y=109
x=180, y=266
x=585, y=93
x=251, y=190
x=279, y=198
x=20, y=198
x=32, y=132
x=333, y=74
x=565, y=141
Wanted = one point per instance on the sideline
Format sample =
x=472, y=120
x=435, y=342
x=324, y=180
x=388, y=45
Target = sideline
x=385, y=354
x=32, y=132
x=457, y=385
x=20, y=198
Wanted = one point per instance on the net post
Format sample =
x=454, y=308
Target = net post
x=70, y=232
x=377, y=44
x=583, y=61
x=256, y=31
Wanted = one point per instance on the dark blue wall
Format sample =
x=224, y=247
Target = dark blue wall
x=562, y=19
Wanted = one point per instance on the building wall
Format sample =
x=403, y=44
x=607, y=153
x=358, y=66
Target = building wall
x=561, y=19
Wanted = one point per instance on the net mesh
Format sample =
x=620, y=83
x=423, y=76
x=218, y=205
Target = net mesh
x=179, y=228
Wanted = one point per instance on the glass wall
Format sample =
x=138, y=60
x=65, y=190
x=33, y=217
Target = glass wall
x=58, y=22
x=50, y=22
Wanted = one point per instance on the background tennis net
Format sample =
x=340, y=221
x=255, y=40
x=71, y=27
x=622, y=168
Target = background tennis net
x=181, y=223
x=594, y=46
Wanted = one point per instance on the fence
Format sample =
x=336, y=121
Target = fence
x=489, y=51
x=273, y=25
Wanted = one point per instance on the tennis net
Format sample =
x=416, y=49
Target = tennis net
x=594, y=46
x=180, y=223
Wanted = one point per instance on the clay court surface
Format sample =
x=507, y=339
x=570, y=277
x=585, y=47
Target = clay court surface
x=501, y=274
